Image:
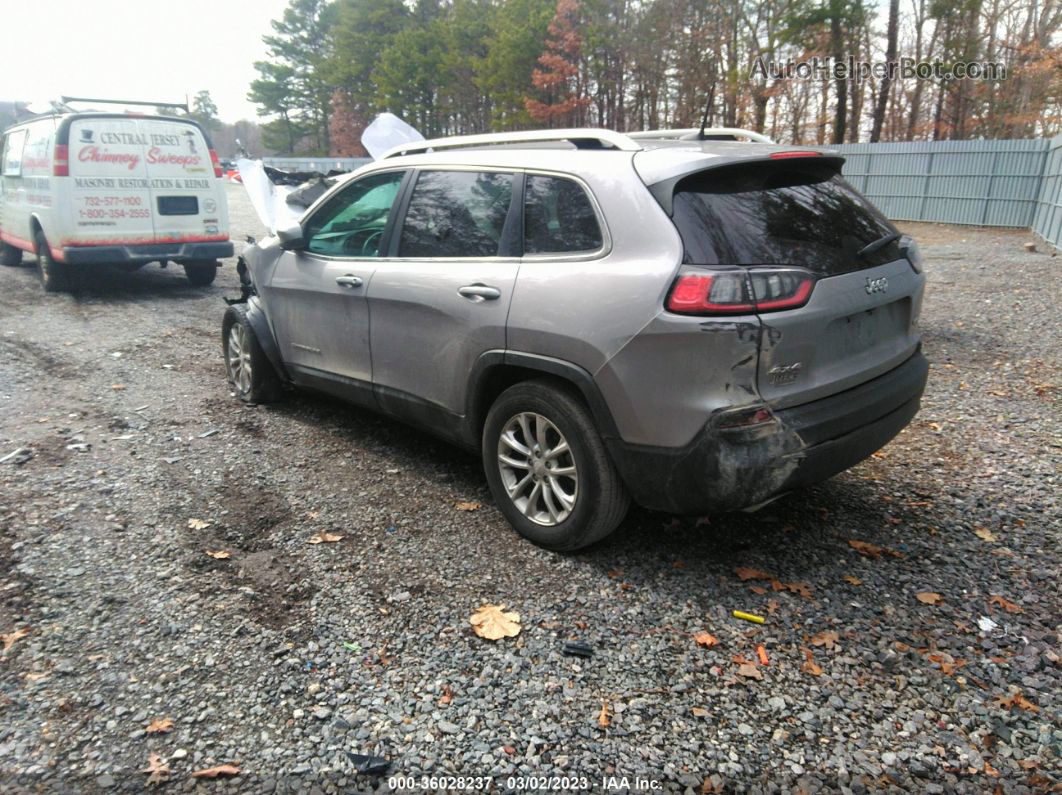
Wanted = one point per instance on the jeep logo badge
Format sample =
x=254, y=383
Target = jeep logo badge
x=879, y=285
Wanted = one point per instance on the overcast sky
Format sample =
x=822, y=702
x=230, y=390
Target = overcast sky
x=157, y=50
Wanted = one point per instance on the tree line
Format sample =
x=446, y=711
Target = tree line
x=466, y=66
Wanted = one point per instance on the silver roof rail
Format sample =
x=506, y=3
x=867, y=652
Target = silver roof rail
x=606, y=138
x=691, y=134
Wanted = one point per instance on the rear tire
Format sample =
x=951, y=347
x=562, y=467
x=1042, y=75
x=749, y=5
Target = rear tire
x=201, y=273
x=53, y=275
x=249, y=371
x=548, y=468
x=10, y=255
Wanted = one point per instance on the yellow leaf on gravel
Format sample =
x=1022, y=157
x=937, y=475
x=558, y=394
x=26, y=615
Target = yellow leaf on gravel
x=750, y=671
x=219, y=554
x=468, y=506
x=159, y=726
x=604, y=719
x=928, y=597
x=848, y=578
x=158, y=769
x=810, y=666
x=493, y=622
x=198, y=524
x=985, y=534
x=324, y=538
x=219, y=770
x=12, y=637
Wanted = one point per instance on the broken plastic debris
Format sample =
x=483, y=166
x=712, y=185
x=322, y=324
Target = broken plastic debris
x=749, y=617
x=205, y=434
x=576, y=648
x=369, y=765
x=986, y=624
x=19, y=456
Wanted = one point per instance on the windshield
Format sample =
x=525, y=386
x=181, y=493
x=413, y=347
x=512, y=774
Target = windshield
x=778, y=213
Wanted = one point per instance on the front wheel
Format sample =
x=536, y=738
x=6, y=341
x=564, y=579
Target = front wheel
x=52, y=274
x=10, y=255
x=201, y=273
x=548, y=468
x=251, y=374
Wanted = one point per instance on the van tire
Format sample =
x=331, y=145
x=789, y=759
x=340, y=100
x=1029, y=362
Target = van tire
x=10, y=255
x=248, y=369
x=601, y=499
x=53, y=275
x=201, y=272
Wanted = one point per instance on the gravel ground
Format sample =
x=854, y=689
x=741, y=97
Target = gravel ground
x=287, y=655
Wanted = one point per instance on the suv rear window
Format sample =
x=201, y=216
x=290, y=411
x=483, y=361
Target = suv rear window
x=780, y=213
x=558, y=217
x=456, y=214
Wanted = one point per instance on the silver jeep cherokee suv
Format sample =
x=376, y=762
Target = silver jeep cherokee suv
x=697, y=325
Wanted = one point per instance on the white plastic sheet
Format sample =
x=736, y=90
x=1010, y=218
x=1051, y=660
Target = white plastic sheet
x=387, y=130
x=269, y=200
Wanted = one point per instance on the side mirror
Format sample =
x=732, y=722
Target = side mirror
x=291, y=237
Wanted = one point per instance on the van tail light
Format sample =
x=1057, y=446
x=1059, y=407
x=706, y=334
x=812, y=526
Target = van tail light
x=739, y=291
x=794, y=153
x=216, y=163
x=61, y=161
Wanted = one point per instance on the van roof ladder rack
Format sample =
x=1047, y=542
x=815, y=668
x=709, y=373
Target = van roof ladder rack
x=182, y=105
x=583, y=138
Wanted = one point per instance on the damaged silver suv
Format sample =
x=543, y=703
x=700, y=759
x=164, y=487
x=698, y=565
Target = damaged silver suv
x=698, y=325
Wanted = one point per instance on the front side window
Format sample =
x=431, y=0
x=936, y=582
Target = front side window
x=13, y=145
x=352, y=223
x=456, y=214
x=558, y=217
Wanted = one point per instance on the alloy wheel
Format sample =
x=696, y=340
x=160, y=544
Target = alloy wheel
x=537, y=468
x=239, y=357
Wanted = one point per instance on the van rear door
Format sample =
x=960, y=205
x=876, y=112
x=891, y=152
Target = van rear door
x=111, y=198
x=185, y=196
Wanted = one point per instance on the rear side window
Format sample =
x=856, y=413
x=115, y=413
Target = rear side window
x=778, y=214
x=558, y=217
x=456, y=214
x=13, y=145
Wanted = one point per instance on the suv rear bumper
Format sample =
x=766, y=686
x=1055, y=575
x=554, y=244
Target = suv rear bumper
x=174, y=252
x=723, y=470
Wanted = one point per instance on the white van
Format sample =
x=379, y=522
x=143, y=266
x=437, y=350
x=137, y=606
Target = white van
x=116, y=188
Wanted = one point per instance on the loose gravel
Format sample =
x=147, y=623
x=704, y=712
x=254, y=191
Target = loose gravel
x=284, y=657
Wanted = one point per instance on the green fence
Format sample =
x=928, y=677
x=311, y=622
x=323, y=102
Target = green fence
x=1047, y=222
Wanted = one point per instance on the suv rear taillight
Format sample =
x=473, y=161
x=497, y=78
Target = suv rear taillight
x=739, y=291
x=61, y=161
x=218, y=172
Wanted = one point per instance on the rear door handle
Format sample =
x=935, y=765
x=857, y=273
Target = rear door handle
x=479, y=292
x=349, y=280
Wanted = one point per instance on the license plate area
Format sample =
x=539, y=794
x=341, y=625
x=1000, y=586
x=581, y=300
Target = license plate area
x=178, y=205
x=863, y=331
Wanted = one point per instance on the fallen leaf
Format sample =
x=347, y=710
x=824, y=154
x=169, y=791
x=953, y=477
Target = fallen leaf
x=604, y=719
x=761, y=653
x=614, y=574
x=759, y=590
x=872, y=551
x=810, y=666
x=159, y=726
x=700, y=712
x=159, y=770
x=324, y=538
x=1016, y=699
x=218, y=554
x=848, y=578
x=1009, y=606
x=750, y=671
x=678, y=564
x=928, y=597
x=12, y=637
x=745, y=573
x=984, y=534
x=799, y=588
x=705, y=639
x=198, y=524
x=827, y=638
x=447, y=696
x=509, y=749
x=493, y=623
x=468, y=506
x=772, y=606
x=219, y=770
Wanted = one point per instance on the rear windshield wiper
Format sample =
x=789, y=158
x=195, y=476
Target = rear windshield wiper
x=879, y=244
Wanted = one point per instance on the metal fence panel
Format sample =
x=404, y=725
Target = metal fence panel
x=1047, y=222
x=981, y=183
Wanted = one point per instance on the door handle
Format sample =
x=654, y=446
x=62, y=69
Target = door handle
x=479, y=292
x=349, y=280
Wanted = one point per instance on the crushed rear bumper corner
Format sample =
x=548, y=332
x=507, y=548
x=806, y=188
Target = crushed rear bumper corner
x=173, y=252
